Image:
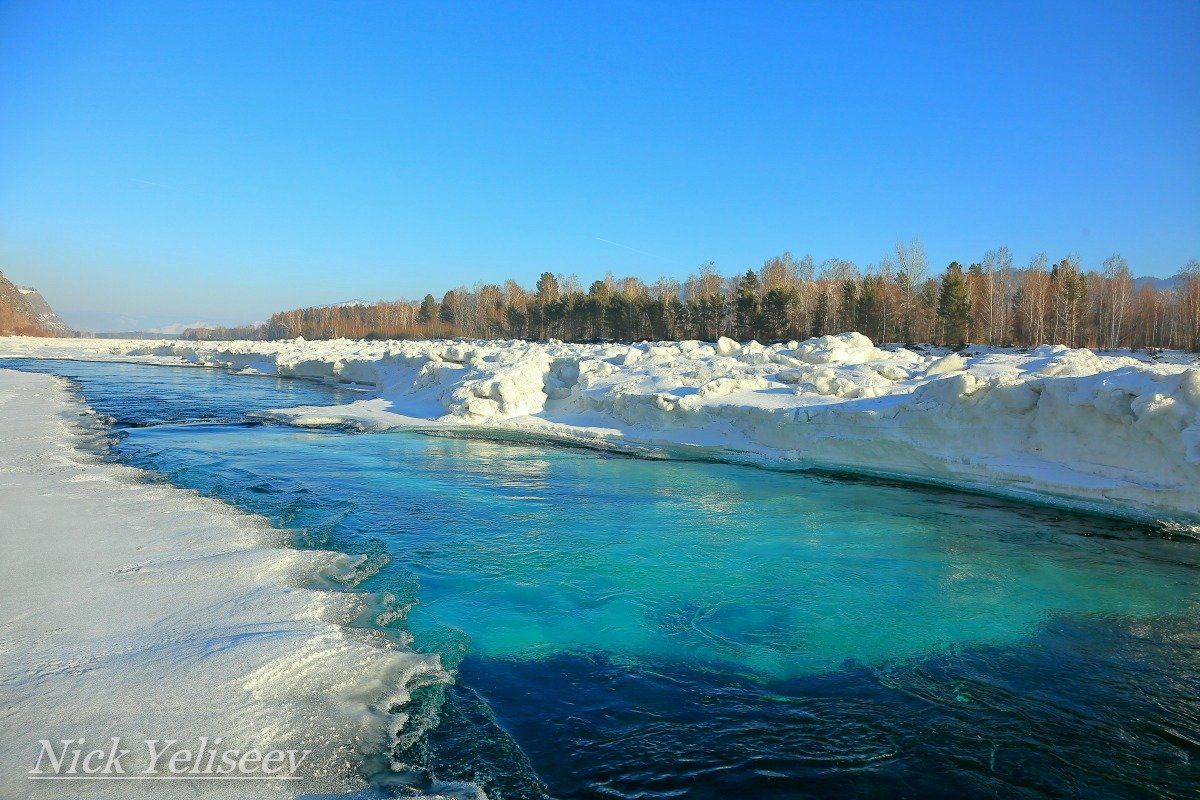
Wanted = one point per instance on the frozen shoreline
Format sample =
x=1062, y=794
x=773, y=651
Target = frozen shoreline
x=1107, y=433
x=142, y=610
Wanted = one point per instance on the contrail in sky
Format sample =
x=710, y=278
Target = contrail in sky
x=630, y=249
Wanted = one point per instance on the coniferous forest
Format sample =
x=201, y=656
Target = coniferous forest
x=991, y=301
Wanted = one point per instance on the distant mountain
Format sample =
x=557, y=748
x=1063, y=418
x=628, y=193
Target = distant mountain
x=1157, y=284
x=176, y=328
x=25, y=312
x=149, y=324
x=106, y=321
x=348, y=304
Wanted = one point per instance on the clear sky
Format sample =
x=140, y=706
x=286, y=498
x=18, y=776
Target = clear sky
x=183, y=161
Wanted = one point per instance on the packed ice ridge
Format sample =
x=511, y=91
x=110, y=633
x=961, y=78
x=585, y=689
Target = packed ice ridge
x=1109, y=432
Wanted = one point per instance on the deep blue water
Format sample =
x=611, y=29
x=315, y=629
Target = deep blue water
x=626, y=628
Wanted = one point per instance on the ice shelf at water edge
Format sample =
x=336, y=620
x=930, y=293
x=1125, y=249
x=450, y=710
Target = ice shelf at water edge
x=1108, y=432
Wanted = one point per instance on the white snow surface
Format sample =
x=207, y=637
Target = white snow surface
x=141, y=610
x=1118, y=433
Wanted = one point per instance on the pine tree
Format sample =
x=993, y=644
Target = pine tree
x=821, y=314
x=747, y=308
x=1070, y=300
x=776, y=312
x=597, y=306
x=954, y=305
x=429, y=310
x=870, y=307
x=449, y=305
x=850, y=304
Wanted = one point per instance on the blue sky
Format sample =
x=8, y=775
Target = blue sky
x=219, y=161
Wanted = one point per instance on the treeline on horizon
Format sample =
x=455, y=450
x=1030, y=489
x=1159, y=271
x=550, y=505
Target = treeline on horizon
x=991, y=301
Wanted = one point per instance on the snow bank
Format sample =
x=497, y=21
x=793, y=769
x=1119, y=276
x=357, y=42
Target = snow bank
x=141, y=611
x=1106, y=432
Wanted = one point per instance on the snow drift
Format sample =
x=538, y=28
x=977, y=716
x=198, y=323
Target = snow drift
x=140, y=610
x=1104, y=432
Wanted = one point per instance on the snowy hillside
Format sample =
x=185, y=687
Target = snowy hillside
x=1112, y=433
x=25, y=311
x=44, y=313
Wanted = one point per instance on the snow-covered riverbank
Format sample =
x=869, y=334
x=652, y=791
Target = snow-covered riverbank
x=1112, y=433
x=142, y=611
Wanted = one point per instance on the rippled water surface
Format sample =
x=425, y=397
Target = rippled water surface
x=626, y=628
